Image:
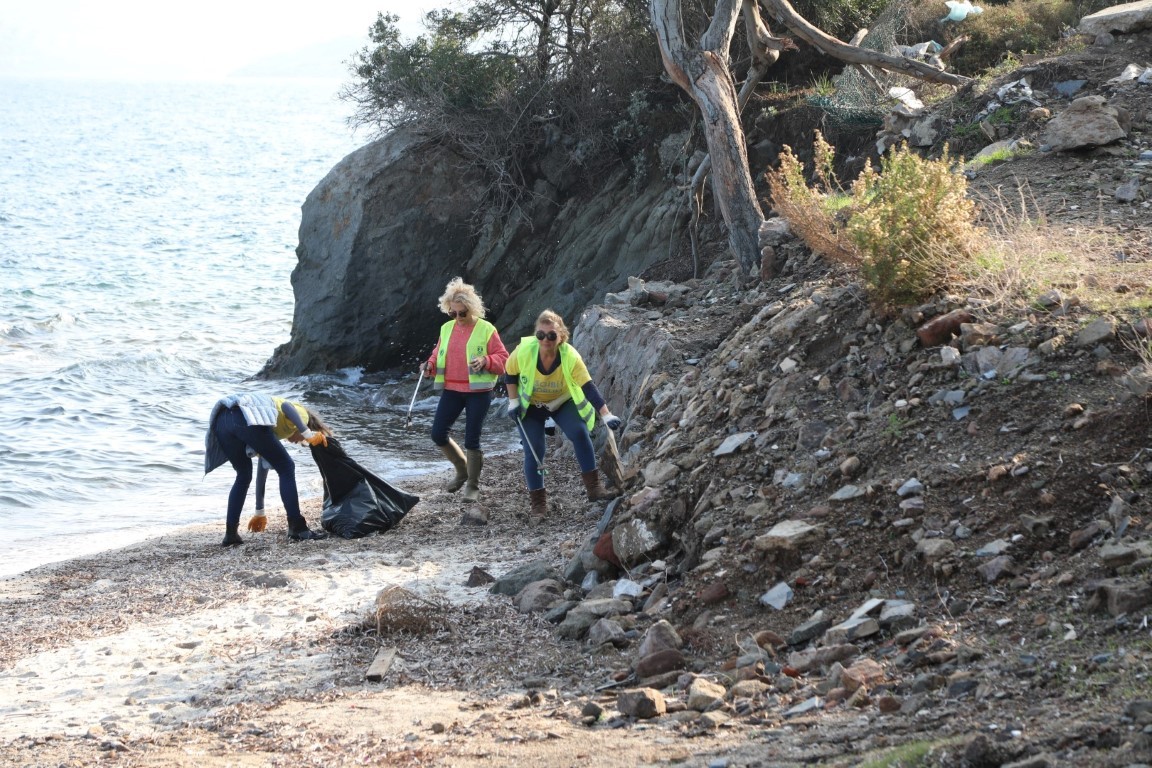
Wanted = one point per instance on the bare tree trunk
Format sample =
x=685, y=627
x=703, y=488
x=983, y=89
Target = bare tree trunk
x=703, y=73
x=783, y=11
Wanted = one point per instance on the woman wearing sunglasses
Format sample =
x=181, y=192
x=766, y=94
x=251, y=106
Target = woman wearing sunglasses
x=547, y=377
x=464, y=366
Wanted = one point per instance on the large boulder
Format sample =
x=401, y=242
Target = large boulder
x=1089, y=121
x=393, y=222
x=1129, y=17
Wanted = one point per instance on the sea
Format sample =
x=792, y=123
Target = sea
x=147, y=236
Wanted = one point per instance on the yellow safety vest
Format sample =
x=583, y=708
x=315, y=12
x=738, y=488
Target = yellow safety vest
x=477, y=347
x=528, y=352
x=284, y=428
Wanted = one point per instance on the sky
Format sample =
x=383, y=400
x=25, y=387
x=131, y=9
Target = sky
x=146, y=39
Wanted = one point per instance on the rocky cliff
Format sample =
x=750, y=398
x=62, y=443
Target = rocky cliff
x=387, y=228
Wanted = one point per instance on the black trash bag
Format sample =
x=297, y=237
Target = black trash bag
x=356, y=502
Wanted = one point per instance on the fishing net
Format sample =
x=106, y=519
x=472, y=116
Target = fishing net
x=861, y=100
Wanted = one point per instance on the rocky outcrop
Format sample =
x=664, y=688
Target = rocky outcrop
x=390, y=224
x=1129, y=17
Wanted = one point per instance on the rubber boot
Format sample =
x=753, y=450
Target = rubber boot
x=306, y=534
x=453, y=453
x=539, y=501
x=475, y=465
x=231, y=537
x=596, y=491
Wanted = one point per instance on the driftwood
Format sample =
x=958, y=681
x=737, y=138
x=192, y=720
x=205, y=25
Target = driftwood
x=610, y=461
x=381, y=664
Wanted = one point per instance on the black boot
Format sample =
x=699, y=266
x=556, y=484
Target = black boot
x=306, y=534
x=231, y=538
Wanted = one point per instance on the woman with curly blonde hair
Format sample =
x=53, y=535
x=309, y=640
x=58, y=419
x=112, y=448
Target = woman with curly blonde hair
x=465, y=365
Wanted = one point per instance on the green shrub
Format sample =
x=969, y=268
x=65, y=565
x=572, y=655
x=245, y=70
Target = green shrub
x=912, y=223
x=908, y=229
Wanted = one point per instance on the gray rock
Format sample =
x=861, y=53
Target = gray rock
x=851, y=629
x=538, y=596
x=912, y=487
x=634, y=540
x=812, y=704
x=1122, y=18
x=515, y=580
x=847, y=493
x=607, y=632
x=897, y=615
x=659, y=637
x=787, y=535
x=997, y=568
x=816, y=626
x=993, y=548
x=658, y=473
x=604, y=607
x=642, y=704
x=732, y=443
x=1128, y=192
x=1089, y=121
x=575, y=625
x=816, y=658
x=1098, y=331
x=558, y=612
x=704, y=695
x=777, y=597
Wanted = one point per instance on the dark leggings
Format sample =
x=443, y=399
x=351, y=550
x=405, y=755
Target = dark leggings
x=573, y=427
x=452, y=403
x=234, y=434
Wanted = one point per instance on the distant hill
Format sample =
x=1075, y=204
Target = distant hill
x=327, y=60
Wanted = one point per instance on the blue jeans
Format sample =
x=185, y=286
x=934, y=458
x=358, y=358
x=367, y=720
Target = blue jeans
x=234, y=434
x=569, y=421
x=452, y=403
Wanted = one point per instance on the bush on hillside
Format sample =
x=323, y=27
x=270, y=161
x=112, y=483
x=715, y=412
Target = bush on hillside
x=907, y=228
x=1014, y=27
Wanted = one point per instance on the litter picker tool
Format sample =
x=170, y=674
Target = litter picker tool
x=527, y=442
x=411, y=405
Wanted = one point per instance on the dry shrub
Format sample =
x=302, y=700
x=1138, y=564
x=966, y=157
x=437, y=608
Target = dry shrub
x=804, y=206
x=402, y=611
x=908, y=229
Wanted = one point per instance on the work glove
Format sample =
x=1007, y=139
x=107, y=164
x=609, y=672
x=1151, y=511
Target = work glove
x=429, y=369
x=314, y=438
x=258, y=522
x=514, y=411
x=612, y=422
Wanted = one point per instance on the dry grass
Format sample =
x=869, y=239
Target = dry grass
x=1026, y=256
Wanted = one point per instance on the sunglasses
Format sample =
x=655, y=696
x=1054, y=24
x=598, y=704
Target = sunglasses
x=461, y=313
x=551, y=335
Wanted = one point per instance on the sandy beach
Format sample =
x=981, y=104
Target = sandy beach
x=176, y=651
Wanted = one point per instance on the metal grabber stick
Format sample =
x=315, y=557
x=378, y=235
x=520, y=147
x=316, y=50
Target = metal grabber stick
x=539, y=466
x=419, y=381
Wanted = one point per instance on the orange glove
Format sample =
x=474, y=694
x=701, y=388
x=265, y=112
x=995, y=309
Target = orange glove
x=258, y=522
x=314, y=438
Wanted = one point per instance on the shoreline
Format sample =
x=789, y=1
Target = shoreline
x=155, y=644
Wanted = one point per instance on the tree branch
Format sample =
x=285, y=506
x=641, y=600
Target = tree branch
x=783, y=11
